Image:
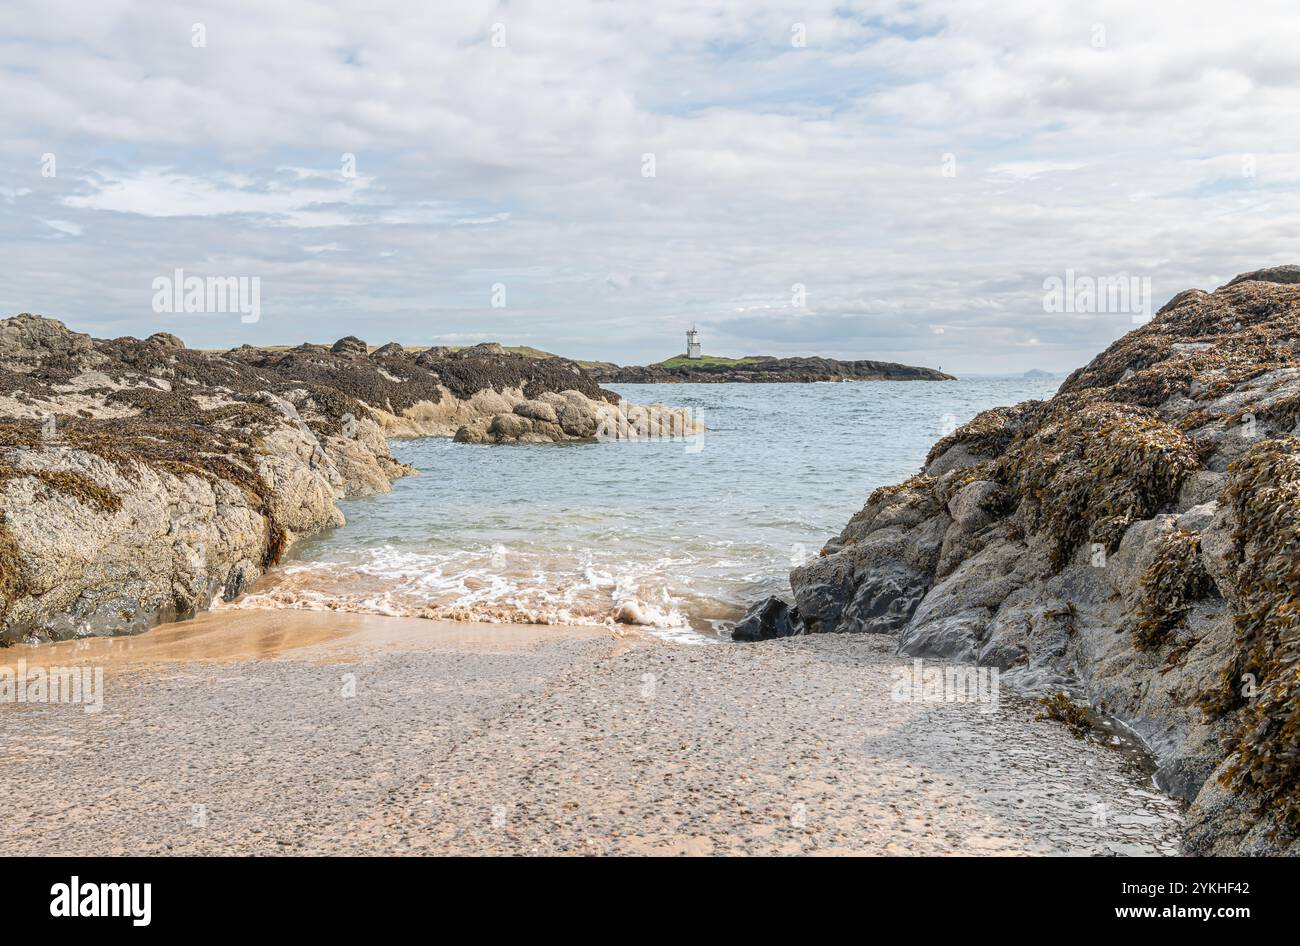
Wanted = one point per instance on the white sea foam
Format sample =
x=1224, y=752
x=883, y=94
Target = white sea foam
x=495, y=586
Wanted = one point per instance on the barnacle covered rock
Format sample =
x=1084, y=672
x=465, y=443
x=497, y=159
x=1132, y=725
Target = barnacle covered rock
x=1134, y=540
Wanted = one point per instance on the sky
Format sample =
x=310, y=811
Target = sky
x=889, y=180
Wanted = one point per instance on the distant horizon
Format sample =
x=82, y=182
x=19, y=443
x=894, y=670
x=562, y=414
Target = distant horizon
x=510, y=343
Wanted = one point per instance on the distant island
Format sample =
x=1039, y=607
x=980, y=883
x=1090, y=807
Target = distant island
x=760, y=368
x=696, y=367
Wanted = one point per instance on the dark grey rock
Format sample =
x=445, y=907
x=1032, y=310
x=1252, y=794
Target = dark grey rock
x=958, y=636
x=885, y=600
x=978, y=504
x=768, y=619
x=957, y=457
x=821, y=590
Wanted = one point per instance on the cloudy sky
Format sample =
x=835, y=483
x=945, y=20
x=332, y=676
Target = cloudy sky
x=919, y=168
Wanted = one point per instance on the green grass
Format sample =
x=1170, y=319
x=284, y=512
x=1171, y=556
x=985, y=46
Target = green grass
x=526, y=350
x=679, y=361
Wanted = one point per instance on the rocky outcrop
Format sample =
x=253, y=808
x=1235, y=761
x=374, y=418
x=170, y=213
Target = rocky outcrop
x=572, y=415
x=1131, y=541
x=141, y=480
x=762, y=368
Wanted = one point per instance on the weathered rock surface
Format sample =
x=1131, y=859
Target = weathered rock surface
x=140, y=480
x=572, y=415
x=763, y=368
x=767, y=620
x=1132, y=541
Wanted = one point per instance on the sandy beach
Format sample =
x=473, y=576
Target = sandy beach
x=276, y=732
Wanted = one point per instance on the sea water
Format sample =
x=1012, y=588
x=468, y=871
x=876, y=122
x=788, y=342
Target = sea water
x=678, y=536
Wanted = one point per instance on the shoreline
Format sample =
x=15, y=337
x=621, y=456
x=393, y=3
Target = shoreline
x=233, y=635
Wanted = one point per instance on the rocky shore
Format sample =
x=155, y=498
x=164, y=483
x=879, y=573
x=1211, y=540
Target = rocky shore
x=762, y=369
x=1131, y=542
x=140, y=479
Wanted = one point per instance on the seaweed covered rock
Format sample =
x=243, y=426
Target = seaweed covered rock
x=140, y=480
x=1258, y=687
x=1132, y=539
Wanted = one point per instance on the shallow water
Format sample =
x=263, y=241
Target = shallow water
x=677, y=535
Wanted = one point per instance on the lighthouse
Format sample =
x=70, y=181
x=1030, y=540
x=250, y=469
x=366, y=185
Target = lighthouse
x=692, y=342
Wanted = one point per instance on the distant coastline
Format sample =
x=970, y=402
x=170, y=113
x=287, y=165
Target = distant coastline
x=703, y=369
x=759, y=369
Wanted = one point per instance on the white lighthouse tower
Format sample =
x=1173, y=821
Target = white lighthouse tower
x=692, y=342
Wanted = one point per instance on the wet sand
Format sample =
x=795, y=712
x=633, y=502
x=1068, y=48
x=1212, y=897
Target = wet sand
x=276, y=732
x=239, y=635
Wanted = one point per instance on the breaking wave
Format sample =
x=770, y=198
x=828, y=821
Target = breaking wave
x=498, y=586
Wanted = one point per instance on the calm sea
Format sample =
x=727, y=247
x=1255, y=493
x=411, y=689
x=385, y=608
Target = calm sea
x=678, y=536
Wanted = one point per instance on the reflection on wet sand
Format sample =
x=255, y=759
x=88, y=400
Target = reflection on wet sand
x=317, y=636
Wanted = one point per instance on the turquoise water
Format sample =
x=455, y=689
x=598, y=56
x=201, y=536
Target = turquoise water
x=676, y=535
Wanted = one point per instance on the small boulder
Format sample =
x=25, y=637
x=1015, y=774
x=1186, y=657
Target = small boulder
x=766, y=620
x=507, y=427
x=476, y=432
x=165, y=340
x=350, y=345
x=391, y=350
x=822, y=587
x=577, y=422
x=537, y=410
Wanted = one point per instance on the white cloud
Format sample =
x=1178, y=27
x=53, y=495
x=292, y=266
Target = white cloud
x=1168, y=152
x=64, y=227
x=1028, y=170
x=154, y=192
